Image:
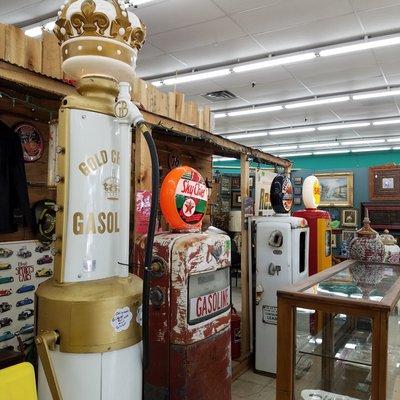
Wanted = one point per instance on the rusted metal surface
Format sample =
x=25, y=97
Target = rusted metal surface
x=186, y=361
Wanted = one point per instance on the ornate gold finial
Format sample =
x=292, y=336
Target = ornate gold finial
x=107, y=19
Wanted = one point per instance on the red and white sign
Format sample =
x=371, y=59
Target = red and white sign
x=209, y=304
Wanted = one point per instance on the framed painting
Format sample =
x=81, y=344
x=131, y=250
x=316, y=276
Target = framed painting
x=384, y=182
x=349, y=218
x=336, y=189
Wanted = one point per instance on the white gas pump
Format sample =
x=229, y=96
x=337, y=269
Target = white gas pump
x=88, y=335
x=280, y=255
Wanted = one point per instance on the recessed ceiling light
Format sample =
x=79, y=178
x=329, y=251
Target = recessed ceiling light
x=367, y=149
x=274, y=61
x=299, y=154
x=322, y=152
x=257, y=110
x=343, y=126
x=387, y=122
x=370, y=44
x=291, y=130
x=362, y=141
x=279, y=148
x=373, y=95
x=317, y=102
x=318, y=145
x=247, y=135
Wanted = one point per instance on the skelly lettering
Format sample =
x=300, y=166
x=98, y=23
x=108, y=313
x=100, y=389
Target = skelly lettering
x=95, y=224
x=96, y=161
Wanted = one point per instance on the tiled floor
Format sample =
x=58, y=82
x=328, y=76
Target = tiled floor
x=251, y=386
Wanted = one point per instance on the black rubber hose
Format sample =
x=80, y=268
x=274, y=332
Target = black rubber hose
x=155, y=181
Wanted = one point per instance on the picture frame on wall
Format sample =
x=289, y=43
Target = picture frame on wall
x=297, y=201
x=334, y=241
x=349, y=218
x=235, y=183
x=236, y=200
x=298, y=180
x=384, y=182
x=348, y=235
x=225, y=184
x=297, y=191
x=336, y=189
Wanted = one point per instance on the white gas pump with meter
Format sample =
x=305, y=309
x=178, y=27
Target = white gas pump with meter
x=280, y=255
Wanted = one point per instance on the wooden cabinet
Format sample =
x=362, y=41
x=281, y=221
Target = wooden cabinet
x=338, y=335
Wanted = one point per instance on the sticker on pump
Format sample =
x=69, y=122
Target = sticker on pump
x=209, y=295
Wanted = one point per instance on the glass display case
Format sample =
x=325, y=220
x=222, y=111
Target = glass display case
x=339, y=335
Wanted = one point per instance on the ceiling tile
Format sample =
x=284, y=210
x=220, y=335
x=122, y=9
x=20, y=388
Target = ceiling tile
x=381, y=19
x=149, y=51
x=360, y=5
x=205, y=33
x=233, y=6
x=158, y=65
x=173, y=14
x=311, y=34
x=18, y=11
x=290, y=13
x=230, y=50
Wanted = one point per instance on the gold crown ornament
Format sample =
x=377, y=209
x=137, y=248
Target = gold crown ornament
x=99, y=38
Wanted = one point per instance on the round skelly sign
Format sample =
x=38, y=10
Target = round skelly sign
x=311, y=192
x=281, y=194
x=183, y=198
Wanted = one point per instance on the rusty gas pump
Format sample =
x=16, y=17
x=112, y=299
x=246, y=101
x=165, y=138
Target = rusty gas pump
x=189, y=353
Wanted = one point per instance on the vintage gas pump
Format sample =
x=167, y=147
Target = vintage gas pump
x=88, y=337
x=281, y=259
x=319, y=222
x=189, y=353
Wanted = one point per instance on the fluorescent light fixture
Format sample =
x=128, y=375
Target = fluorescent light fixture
x=373, y=95
x=220, y=115
x=279, y=148
x=369, y=44
x=300, y=154
x=393, y=140
x=362, y=141
x=247, y=135
x=343, y=126
x=323, y=152
x=318, y=145
x=366, y=149
x=291, y=130
x=317, y=102
x=396, y=148
x=257, y=110
x=36, y=31
x=274, y=61
x=217, y=159
x=192, y=78
x=133, y=3
x=387, y=122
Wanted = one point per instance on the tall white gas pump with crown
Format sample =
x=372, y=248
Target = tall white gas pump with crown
x=88, y=332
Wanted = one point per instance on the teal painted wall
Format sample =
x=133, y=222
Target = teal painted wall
x=328, y=162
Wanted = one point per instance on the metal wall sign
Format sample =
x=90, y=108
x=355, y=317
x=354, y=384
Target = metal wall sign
x=270, y=315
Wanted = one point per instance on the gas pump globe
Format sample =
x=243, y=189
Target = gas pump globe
x=88, y=337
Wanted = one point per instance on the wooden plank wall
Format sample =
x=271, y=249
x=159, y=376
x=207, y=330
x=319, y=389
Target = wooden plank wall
x=43, y=55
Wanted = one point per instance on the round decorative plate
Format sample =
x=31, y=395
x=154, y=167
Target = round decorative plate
x=31, y=141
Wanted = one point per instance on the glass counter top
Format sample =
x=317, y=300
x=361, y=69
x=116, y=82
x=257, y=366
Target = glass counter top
x=358, y=281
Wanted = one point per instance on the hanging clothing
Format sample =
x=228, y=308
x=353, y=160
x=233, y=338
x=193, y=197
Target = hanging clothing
x=13, y=186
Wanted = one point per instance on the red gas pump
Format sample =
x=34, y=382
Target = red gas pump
x=189, y=340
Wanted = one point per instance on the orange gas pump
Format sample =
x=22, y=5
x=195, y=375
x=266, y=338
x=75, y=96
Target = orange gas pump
x=319, y=222
x=189, y=340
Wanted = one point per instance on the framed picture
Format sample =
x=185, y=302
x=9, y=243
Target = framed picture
x=236, y=200
x=297, y=201
x=225, y=184
x=384, y=182
x=297, y=191
x=336, y=189
x=31, y=141
x=334, y=241
x=349, y=218
x=225, y=204
x=298, y=180
x=348, y=235
x=235, y=182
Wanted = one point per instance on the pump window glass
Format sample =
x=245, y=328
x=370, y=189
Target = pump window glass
x=209, y=295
